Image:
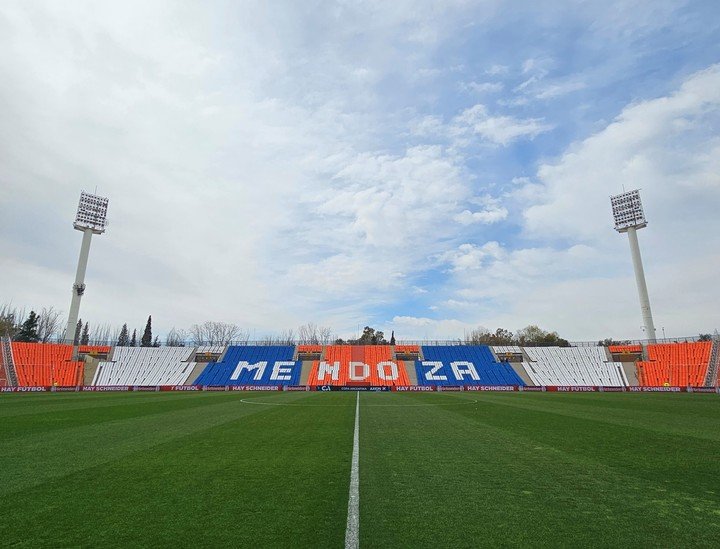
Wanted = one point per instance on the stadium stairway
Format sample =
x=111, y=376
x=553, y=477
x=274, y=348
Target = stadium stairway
x=89, y=369
x=409, y=365
x=196, y=371
x=521, y=373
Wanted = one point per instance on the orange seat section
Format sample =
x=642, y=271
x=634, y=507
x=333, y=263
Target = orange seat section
x=677, y=364
x=619, y=349
x=44, y=364
x=373, y=356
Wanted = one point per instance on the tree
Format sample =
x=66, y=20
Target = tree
x=175, y=338
x=371, y=337
x=133, y=339
x=534, y=335
x=217, y=333
x=156, y=341
x=78, y=331
x=704, y=337
x=392, y=338
x=48, y=324
x=28, y=331
x=123, y=338
x=85, y=337
x=10, y=320
x=146, y=340
x=483, y=336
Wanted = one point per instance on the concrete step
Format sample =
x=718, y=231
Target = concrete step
x=91, y=366
x=631, y=373
x=520, y=370
x=197, y=370
x=305, y=371
x=411, y=371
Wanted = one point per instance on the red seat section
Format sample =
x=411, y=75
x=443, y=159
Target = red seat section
x=681, y=364
x=625, y=349
x=44, y=364
x=348, y=365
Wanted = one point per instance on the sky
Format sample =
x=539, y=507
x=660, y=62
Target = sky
x=426, y=168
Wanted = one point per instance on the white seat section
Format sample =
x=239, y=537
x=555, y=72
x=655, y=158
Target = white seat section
x=573, y=366
x=146, y=366
x=503, y=349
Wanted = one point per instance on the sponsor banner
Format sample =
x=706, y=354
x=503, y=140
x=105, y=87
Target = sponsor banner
x=107, y=388
x=58, y=389
x=657, y=389
x=255, y=387
x=451, y=388
x=214, y=387
x=147, y=388
x=604, y=389
x=528, y=389
x=24, y=389
x=414, y=388
x=703, y=389
x=364, y=388
x=180, y=388
x=571, y=388
x=296, y=388
x=507, y=388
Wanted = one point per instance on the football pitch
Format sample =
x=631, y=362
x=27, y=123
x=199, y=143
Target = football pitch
x=435, y=469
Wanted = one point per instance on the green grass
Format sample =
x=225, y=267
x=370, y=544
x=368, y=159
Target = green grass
x=436, y=470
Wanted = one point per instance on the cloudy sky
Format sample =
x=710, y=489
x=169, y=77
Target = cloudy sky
x=423, y=167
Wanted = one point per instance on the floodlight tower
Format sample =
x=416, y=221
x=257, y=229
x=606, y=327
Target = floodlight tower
x=629, y=217
x=91, y=219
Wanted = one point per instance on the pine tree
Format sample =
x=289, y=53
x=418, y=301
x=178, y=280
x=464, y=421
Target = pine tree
x=392, y=338
x=85, y=337
x=133, y=339
x=78, y=331
x=124, y=338
x=156, y=341
x=146, y=340
x=29, y=329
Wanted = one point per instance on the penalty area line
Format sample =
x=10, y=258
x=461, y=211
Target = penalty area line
x=352, y=530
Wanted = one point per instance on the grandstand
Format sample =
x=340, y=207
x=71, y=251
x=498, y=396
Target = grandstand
x=347, y=365
x=682, y=364
x=253, y=365
x=45, y=364
x=463, y=364
x=667, y=364
x=146, y=366
x=573, y=366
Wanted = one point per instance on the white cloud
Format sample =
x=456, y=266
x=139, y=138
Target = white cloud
x=483, y=87
x=501, y=130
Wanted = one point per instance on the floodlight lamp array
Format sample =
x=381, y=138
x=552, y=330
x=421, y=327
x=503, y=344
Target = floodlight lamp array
x=628, y=211
x=91, y=213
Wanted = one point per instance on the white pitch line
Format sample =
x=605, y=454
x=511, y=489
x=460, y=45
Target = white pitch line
x=352, y=531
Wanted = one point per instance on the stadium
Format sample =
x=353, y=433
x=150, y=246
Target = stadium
x=421, y=169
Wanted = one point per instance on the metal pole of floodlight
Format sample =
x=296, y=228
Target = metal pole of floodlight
x=91, y=219
x=629, y=217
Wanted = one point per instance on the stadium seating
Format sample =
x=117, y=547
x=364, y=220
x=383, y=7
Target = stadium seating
x=681, y=364
x=253, y=365
x=463, y=365
x=625, y=349
x=44, y=364
x=146, y=366
x=358, y=365
x=573, y=366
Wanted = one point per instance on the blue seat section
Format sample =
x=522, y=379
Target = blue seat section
x=219, y=373
x=488, y=369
